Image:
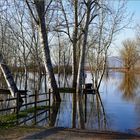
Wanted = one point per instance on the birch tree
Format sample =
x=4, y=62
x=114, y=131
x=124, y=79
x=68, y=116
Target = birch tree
x=41, y=10
x=91, y=13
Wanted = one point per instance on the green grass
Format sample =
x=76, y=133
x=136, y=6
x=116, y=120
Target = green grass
x=9, y=120
x=33, y=109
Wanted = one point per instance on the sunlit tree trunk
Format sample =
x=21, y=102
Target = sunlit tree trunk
x=81, y=69
x=41, y=23
x=74, y=42
x=53, y=113
x=46, y=58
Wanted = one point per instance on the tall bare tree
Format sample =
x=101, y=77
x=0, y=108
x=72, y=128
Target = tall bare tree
x=5, y=50
x=109, y=23
x=91, y=13
x=41, y=10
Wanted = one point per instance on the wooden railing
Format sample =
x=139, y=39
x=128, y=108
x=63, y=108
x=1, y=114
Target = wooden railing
x=33, y=106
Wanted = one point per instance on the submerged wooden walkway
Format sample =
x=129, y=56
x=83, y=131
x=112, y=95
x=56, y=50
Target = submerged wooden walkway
x=86, y=90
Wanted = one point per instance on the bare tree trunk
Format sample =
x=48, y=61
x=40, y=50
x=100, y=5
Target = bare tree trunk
x=47, y=60
x=26, y=77
x=54, y=112
x=74, y=65
x=81, y=71
x=59, y=61
x=40, y=8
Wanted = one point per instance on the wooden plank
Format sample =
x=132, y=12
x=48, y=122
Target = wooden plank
x=66, y=90
x=89, y=91
x=7, y=91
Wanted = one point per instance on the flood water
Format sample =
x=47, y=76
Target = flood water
x=120, y=108
x=117, y=108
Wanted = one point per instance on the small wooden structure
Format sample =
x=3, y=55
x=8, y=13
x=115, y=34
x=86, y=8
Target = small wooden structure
x=88, y=89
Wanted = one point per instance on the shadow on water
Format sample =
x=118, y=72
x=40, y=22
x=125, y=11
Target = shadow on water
x=129, y=85
x=74, y=110
x=53, y=114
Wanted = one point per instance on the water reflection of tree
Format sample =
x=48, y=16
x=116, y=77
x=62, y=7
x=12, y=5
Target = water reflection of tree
x=129, y=85
x=137, y=108
x=67, y=116
x=95, y=113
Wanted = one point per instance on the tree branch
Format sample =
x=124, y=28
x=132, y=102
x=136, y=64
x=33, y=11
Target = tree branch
x=31, y=11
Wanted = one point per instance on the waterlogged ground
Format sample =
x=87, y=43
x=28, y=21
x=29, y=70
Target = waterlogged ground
x=118, y=109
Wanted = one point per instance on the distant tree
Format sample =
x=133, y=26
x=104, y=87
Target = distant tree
x=129, y=54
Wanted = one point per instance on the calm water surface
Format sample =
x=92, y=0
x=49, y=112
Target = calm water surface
x=117, y=108
x=120, y=109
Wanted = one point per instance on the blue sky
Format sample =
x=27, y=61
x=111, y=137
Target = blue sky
x=133, y=6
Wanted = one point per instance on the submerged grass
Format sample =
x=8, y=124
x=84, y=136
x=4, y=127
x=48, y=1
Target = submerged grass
x=9, y=120
x=33, y=109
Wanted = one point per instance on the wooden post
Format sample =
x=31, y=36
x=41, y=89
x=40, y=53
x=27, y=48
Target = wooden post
x=85, y=106
x=35, y=105
x=26, y=100
x=45, y=84
x=17, y=108
x=49, y=103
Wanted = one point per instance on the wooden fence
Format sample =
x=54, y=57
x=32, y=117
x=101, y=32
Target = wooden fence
x=32, y=108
